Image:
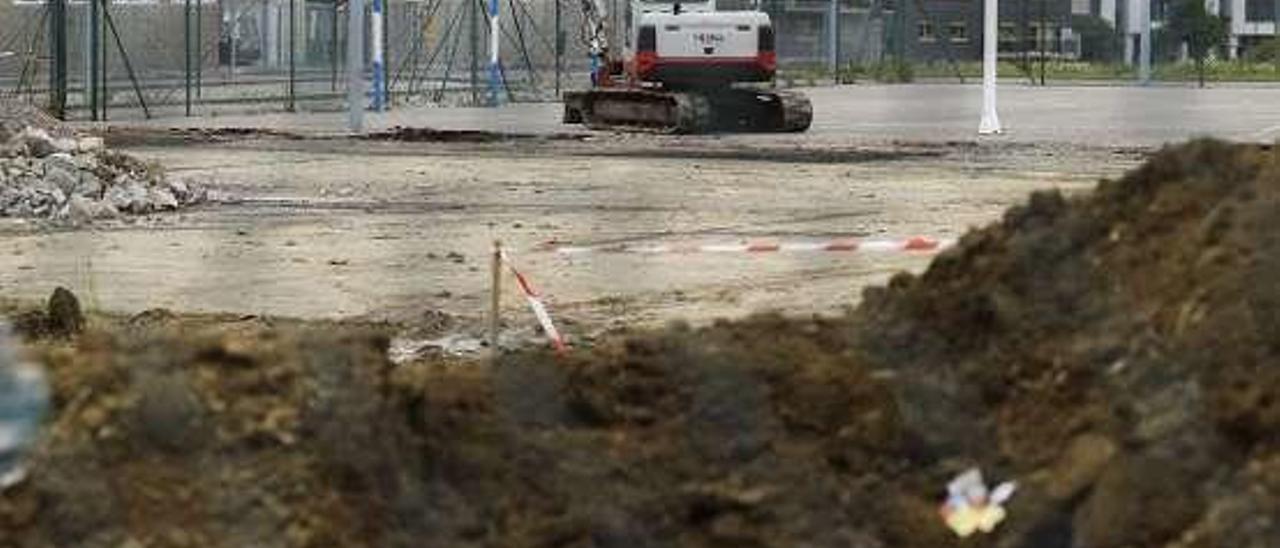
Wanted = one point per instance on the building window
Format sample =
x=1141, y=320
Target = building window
x=924, y=32
x=958, y=32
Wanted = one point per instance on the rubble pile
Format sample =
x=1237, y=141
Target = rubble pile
x=49, y=172
x=75, y=179
x=17, y=115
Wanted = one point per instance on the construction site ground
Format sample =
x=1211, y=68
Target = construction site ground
x=240, y=378
x=315, y=224
x=387, y=230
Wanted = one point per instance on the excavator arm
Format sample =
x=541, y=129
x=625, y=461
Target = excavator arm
x=595, y=36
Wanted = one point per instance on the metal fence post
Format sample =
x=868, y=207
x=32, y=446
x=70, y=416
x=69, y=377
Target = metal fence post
x=355, y=65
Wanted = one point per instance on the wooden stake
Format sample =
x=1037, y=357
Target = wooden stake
x=495, y=302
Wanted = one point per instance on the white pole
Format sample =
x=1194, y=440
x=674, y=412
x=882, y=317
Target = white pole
x=990, y=120
x=355, y=65
x=379, y=66
x=495, y=42
x=1144, y=41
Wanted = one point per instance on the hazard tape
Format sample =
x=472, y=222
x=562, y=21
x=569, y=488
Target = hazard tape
x=535, y=303
x=845, y=245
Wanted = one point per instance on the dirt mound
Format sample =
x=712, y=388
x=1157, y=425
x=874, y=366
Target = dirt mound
x=1117, y=350
x=1113, y=353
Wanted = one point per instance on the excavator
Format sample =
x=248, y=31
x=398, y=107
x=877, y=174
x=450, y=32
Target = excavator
x=685, y=68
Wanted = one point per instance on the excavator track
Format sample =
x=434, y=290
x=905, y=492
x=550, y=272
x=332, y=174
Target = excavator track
x=797, y=112
x=638, y=110
x=687, y=112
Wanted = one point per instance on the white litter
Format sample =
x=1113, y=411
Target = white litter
x=972, y=507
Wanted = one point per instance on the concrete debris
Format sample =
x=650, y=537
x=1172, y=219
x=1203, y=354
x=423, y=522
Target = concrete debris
x=17, y=115
x=77, y=180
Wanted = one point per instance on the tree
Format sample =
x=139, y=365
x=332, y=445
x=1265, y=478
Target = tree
x=1202, y=31
x=1098, y=39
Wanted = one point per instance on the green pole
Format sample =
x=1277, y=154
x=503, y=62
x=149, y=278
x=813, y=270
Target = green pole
x=186, y=38
x=58, y=54
x=95, y=68
x=199, y=49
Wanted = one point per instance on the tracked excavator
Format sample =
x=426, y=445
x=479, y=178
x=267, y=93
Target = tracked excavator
x=685, y=68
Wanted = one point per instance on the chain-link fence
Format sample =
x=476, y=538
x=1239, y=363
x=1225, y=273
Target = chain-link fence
x=227, y=53
x=286, y=54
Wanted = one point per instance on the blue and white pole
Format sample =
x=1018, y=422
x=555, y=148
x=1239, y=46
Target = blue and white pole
x=24, y=399
x=379, y=64
x=495, y=41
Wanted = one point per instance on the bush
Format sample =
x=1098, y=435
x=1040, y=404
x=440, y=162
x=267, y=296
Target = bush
x=893, y=71
x=1099, y=41
x=1265, y=52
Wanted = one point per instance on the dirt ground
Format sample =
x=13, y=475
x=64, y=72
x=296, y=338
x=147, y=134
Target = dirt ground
x=398, y=229
x=1114, y=352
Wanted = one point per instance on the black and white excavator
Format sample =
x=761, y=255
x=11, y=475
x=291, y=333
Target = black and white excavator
x=685, y=67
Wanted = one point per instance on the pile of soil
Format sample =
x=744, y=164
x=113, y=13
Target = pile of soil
x=1114, y=353
x=1120, y=352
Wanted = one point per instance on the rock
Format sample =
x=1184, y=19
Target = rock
x=61, y=160
x=1140, y=501
x=51, y=195
x=89, y=185
x=81, y=210
x=1079, y=467
x=128, y=196
x=89, y=144
x=35, y=142
x=65, y=180
x=169, y=414
x=180, y=189
x=161, y=199
x=105, y=210
x=65, y=317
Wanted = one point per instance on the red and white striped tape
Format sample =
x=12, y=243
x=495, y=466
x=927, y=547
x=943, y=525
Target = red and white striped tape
x=843, y=245
x=535, y=303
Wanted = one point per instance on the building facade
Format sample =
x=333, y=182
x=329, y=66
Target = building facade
x=922, y=30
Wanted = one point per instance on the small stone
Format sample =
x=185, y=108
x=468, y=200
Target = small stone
x=128, y=196
x=161, y=199
x=61, y=160
x=65, y=180
x=36, y=142
x=89, y=186
x=90, y=144
x=105, y=210
x=180, y=189
x=132, y=543
x=80, y=210
x=65, y=317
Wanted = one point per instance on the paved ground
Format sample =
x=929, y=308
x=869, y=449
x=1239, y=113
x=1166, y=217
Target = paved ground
x=1103, y=115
